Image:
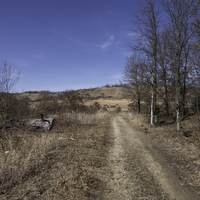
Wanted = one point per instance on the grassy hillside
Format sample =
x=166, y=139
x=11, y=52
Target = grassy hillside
x=104, y=92
x=109, y=96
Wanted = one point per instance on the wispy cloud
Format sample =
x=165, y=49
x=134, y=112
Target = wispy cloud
x=116, y=76
x=106, y=44
x=133, y=35
x=118, y=43
x=69, y=38
x=126, y=53
x=111, y=37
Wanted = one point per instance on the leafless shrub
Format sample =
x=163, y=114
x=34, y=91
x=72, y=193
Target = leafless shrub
x=71, y=100
x=97, y=105
x=48, y=107
x=104, y=108
x=13, y=108
x=118, y=109
x=94, y=107
x=9, y=76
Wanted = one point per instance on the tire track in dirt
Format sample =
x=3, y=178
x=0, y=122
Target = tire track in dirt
x=118, y=183
x=148, y=167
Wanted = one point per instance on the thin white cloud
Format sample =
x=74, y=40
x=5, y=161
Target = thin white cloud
x=111, y=37
x=118, y=43
x=131, y=34
x=106, y=44
x=116, y=76
x=126, y=53
x=69, y=38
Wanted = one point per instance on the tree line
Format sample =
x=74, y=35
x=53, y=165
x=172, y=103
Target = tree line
x=163, y=67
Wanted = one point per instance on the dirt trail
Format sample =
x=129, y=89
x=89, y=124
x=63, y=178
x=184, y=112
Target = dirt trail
x=139, y=172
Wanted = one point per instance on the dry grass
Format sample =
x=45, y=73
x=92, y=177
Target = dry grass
x=123, y=103
x=85, y=118
x=105, y=92
x=135, y=119
x=105, y=96
x=70, y=164
x=21, y=152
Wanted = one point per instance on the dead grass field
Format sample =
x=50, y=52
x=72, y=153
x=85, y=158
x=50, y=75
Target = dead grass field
x=79, y=160
x=110, y=96
x=112, y=104
x=33, y=96
x=103, y=92
x=68, y=164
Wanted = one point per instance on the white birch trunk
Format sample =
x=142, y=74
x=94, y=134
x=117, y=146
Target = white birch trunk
x=152, y=102
x=152, y=109
x=178, y=120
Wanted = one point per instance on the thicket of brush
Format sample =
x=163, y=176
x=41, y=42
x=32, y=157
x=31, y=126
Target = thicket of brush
x=12, y=108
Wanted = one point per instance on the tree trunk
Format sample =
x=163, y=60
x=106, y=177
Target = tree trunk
x=155, y=85
x=198, y=104
x=166, y=94
x=177, y=120
x=139, y=105
x=152, y=102
x=177, y=98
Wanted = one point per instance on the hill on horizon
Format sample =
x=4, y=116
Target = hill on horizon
x=110, y=96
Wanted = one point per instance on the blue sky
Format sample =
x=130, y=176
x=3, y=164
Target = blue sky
x=66, y=44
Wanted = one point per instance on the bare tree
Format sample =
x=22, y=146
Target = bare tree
x=180, y=32
x=71, y=100
x=164, y=71
x=134, y=76
x=196, y=22
x=146, y=24
x=9, y=77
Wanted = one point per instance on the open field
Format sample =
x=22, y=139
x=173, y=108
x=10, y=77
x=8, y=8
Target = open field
x=101, y=156
x=111, y=103
x=67, y=164
x=110, y=96
x=103, y=92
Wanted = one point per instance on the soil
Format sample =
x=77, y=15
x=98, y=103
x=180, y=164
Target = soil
x=113, y=160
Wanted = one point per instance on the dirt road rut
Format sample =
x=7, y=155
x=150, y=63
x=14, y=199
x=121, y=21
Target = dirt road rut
x=139, y=172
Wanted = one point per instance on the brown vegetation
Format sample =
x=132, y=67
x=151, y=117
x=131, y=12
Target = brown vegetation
x=67, y=164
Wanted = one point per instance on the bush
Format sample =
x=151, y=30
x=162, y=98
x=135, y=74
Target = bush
x=71, y=100
x=97, y=105
x=104, y=108
x=12, y=108
x=118, y=109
